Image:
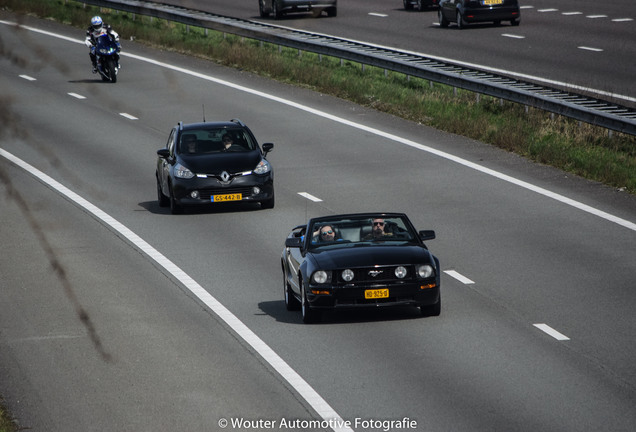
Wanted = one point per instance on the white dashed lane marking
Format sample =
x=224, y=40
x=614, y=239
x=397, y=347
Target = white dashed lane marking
x=552, y=332
x=309, y=196
x=463, y=279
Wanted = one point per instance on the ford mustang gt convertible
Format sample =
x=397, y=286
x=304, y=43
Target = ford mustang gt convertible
x=362, y=260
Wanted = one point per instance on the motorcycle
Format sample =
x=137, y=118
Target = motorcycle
x=107, y=52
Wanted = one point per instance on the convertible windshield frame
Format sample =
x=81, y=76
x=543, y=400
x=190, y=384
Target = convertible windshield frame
x=354, y=230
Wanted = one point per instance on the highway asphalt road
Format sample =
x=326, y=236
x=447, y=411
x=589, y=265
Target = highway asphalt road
x=587, y=44
x=98, y=332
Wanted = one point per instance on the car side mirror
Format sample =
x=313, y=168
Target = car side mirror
x=295, y=242
x=268, y=147
x=164, y=153
x=427, y=235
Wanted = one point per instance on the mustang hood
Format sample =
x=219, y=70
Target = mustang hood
x=362, y=256
x=219, y=162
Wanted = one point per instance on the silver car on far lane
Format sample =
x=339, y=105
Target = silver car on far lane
x=279, y=8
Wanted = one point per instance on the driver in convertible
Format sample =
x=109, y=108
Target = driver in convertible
x=377, y=231
x=97, y=28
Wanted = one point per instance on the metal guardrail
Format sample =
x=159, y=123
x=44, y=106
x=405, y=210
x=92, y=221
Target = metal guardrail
x=577, y=106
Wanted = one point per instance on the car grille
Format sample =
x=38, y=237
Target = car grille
x=206, y=194
x=375, y=275
x=352, y=301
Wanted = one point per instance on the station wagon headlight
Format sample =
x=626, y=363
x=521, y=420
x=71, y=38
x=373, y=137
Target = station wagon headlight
x=182, y=172
x=400, y=272
x=320, y=277
x=347, y=275
x=263, y=167
x=424, y=270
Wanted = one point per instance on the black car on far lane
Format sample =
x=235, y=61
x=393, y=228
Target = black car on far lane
x=464, y=12
x=211, y=163
x=362, y=260
x=420, y=5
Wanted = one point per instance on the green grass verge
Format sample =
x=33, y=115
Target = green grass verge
x=6, y=424
x=578, y=148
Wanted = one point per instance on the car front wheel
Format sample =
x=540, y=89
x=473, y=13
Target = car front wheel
x=291, y=302
x=163, y=200
x=269, y=204
x=432, y=310
x=460, y=21
x=262, y=10
x=175, y=208
x=443, y=22
x=310, y=315
x=278, y=14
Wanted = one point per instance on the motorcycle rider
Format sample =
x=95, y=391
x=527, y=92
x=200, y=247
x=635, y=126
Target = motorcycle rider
x=97, y=28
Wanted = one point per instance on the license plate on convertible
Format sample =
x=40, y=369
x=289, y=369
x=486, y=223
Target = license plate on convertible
x=227, y=197
x=376, y=293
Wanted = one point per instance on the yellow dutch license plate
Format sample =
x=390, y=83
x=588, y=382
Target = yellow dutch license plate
x=376, y=293
x=492, y=2
x=227, y=197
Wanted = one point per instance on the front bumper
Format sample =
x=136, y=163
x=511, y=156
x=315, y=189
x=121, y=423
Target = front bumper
x=252, y=188
x=352, y=297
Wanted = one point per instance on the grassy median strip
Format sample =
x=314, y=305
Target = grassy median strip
x=6, y=423
x=575, y=147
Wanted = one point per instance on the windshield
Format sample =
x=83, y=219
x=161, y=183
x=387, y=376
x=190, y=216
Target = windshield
x=339, y=231
x=204, y=141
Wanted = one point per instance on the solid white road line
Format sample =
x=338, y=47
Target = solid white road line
x=552, y=332
x=291, y=376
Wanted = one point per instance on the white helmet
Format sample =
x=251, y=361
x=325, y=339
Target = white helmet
x=97, y=22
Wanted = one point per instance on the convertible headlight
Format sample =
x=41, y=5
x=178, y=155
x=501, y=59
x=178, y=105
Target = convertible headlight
x=263, y=167
x=347, y=275
x=400, y=272
x=182, y=172
x=424, y=270
x=321, y=277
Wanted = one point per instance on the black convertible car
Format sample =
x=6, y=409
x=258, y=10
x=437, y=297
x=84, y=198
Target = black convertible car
x=359, y=261
x=212, y=163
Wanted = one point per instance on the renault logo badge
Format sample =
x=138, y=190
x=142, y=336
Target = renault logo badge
x=225, y=176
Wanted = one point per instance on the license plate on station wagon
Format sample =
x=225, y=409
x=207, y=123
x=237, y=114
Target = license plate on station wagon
x=227, y=197
x=491, y=2
x=376, y=293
